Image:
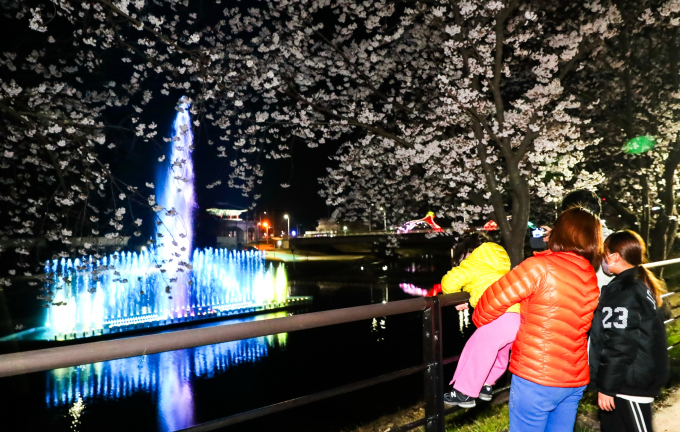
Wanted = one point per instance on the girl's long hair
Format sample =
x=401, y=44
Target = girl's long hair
x=632, y=249
x=466, y=245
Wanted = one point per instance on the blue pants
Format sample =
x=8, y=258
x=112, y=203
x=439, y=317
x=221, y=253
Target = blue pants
x=538, y=408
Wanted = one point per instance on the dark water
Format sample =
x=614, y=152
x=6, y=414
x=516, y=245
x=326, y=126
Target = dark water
x=173, y=390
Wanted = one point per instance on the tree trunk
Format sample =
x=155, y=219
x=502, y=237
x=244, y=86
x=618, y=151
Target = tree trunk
x=521, y=205
x=646, y=207
x=514, y=231
x=665, y=230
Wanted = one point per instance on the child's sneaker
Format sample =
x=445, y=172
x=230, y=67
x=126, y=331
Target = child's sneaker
x=486, y=393
x=457, y=398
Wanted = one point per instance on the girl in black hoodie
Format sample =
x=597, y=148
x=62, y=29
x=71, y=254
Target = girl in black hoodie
x=628, y=353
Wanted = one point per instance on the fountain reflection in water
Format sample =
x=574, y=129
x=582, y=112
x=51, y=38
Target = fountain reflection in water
x=167, y=377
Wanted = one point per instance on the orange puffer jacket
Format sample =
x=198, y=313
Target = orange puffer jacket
x=558, y=294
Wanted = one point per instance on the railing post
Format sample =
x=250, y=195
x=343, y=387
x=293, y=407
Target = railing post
x=432, y=353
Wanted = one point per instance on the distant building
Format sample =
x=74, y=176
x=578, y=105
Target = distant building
x=231, y=230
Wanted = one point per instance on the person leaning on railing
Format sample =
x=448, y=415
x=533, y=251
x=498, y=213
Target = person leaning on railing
x=485, y=356
x=557, y=291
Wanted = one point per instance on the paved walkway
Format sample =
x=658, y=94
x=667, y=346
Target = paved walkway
x=667, y=417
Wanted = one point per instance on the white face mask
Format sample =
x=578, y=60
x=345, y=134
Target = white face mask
x=605, y=266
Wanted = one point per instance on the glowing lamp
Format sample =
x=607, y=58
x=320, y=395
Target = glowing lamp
x=293, y=233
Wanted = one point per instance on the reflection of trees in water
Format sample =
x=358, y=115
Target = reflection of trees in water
x=463, y=320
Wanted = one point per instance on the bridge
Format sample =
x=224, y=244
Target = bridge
x=375, y=242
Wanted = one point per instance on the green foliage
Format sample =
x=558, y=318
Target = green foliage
x=673, y=336
x=588, y=405
x=494, y=419
x=582, y=428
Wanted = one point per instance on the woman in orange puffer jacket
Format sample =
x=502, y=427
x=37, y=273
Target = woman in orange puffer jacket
x=557, y=291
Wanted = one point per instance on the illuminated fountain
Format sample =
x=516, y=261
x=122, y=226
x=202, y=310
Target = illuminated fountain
x=134, y=295
x=167, y=283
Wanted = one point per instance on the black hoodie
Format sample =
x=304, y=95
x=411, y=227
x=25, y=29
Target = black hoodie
x=628, y=352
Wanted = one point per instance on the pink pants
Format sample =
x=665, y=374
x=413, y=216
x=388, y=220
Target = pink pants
x=486, y=355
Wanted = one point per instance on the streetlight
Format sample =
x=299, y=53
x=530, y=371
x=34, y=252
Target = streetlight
x=344, y=229
x=288, y=220
x=384, y=217
x=266, y=230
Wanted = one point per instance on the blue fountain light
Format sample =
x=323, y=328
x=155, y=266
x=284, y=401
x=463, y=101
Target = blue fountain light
x=168, y=283
x=175, y=193
x=132, y=294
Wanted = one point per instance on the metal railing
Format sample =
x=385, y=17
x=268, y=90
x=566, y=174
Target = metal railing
x=662, y=264
x=672, y=319
x=432, y=365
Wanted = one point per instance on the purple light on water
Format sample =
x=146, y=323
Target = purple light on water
x=413, y=290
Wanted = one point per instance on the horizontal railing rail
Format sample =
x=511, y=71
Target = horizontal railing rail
x=661, y=263
x=93, y=352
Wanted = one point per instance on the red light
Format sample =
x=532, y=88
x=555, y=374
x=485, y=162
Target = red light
x=490, y=226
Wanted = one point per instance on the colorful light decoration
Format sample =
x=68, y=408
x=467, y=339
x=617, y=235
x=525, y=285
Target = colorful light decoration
x=426, y=222
x=640, y=144
x=490, y=226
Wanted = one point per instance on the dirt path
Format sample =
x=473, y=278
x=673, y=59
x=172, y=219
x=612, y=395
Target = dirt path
x=667, y=416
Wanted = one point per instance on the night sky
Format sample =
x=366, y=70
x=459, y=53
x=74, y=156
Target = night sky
x=135, y=162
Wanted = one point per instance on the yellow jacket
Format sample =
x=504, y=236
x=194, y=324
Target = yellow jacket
x=476, y=273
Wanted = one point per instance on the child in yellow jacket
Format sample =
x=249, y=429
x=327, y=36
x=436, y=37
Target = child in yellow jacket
x=487, y=353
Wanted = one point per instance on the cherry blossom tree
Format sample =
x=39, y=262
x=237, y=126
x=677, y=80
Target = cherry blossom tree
x=465, y=108
x=638, y=96
x=71, y=92
x=459, y=105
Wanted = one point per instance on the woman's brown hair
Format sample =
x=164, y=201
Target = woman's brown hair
x=579, y=231
x=632, y=249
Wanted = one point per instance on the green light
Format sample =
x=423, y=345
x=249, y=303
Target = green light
x=639, y=144
x=531, y=225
